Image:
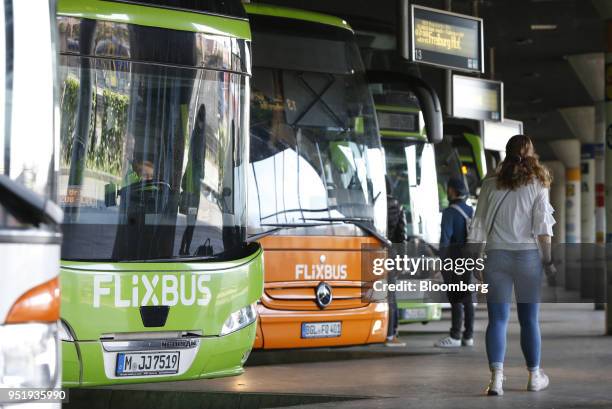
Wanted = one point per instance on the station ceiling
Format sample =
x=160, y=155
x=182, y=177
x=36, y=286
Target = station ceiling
x=538, y=78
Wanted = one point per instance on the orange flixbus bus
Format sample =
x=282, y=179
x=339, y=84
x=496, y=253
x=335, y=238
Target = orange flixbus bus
x=316, y=185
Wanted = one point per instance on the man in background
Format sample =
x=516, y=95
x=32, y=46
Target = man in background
x=396, y=233
x=456, y=219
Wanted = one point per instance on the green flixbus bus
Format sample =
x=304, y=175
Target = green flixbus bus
x=409, y=118
x=158, y=280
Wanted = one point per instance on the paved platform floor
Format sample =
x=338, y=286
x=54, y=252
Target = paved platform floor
x=577, y=357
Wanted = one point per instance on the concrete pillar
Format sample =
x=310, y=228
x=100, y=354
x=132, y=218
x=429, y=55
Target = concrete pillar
x=557, y=200
x=568, y=151
x=582, y=121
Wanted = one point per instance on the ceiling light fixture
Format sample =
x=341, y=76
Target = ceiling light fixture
x=543, y=27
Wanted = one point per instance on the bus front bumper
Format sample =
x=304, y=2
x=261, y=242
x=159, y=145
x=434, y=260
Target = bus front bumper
x=91, y=363
x=419, y=312
x=281, y=329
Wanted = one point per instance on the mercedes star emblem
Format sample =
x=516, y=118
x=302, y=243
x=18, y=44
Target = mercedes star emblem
x=323, y=295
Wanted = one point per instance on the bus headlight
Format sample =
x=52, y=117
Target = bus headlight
x=381, y=307
x=28, y=356
x=239, y=319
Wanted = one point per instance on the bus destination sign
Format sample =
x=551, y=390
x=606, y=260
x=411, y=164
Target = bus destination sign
x=445, y=39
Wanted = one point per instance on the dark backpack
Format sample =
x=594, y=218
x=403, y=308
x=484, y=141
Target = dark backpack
x=396, y=221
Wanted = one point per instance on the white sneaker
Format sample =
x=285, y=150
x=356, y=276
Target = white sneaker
x=394, y=342
x=467, y=342
x=495, y=387
x=448, y=342
x=538, y=381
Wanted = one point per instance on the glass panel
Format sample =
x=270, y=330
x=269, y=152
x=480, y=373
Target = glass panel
x=448, y=166
x=411, y=168
x=107, y=39
x=315, y=151
x=151, y=161
x=27, y=99
x=3, y=88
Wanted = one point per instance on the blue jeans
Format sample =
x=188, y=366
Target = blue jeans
x=521, y=269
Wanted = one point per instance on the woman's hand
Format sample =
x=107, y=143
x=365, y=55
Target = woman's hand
x=478, y=275
x=545, y=247
x=551, y=273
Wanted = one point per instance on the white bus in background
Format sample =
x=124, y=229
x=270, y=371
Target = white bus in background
x=29, y=218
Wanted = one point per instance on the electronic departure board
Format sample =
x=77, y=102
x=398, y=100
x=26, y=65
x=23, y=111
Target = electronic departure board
x=497, y=134
x=478, y=99
x=446, y=39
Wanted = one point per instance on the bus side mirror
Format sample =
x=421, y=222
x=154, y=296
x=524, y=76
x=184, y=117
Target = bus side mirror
x=110, y=195
x=432, y=112
x=429, y=102
x=26, y=206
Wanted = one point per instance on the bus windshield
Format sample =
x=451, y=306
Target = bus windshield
x=151, y=161
x=315, y=152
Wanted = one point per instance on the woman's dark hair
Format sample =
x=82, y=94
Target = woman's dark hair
x=521, y=165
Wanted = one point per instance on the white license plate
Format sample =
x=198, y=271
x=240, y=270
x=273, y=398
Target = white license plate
x=147, y=363
x=321, y=329
x=416, y=313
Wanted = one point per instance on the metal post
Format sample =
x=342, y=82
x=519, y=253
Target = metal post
x=600, y=207
x=404, y=29
x=448, y=74
x=608, y=189
x=588, y=263
x=492, y=63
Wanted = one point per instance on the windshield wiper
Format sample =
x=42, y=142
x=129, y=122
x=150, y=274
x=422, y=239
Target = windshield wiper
x=364, y=223
x=275, y=227
x=170, y=260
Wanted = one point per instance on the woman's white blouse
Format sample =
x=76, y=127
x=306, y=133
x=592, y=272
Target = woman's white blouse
x=523, y=215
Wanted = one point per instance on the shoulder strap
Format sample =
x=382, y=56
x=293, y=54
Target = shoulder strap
x=458, y=208
x=495, y=214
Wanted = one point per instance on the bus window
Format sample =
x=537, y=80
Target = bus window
x=469, y=167
x=157, y=178
x=448, y=166
x=313, y=129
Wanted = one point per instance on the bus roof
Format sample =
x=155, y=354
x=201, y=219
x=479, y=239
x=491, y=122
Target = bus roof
x=296, y=14
x=156, y=16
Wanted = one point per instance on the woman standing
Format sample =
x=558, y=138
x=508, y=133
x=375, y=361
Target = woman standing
x=514, y=218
